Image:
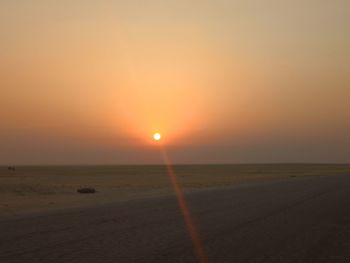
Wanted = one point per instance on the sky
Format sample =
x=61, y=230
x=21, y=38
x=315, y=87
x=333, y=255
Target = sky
x=224, y=81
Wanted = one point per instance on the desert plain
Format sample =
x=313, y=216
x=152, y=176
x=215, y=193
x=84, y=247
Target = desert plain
x=40, y=189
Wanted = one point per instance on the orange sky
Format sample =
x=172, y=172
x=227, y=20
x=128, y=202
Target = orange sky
x=223, y=81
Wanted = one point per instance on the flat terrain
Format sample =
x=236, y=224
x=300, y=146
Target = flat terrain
x=296, y=219
x=34, y=189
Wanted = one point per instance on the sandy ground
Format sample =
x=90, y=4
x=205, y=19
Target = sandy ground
x=294, y=220
x=39, y=189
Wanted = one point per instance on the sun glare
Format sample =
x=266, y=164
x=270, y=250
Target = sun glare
x=157, y=136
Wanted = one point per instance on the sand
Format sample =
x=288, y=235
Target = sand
x=40, y=189
x=290, y=220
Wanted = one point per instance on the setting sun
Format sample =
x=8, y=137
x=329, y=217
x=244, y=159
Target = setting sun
x=157, y=136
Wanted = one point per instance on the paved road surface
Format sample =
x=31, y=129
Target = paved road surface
x=295, y=220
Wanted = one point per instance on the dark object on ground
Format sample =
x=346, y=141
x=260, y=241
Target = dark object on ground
x=86, y=190
x=11, y=168
x=293, y=176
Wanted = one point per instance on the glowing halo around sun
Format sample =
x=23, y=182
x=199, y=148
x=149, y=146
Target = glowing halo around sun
x=157, y=136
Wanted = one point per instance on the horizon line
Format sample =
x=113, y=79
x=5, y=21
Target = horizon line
x=183, y=164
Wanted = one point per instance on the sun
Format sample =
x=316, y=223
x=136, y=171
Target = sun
x=157, y=136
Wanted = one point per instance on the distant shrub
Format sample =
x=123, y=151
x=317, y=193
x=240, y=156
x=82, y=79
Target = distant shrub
x=11, y=168
x=86, y=190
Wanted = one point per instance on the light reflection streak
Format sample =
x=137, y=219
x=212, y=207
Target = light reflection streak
x=190, y=226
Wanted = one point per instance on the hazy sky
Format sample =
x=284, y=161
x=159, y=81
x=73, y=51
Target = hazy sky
x=226, y=81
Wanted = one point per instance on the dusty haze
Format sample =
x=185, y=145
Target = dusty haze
x=223, y=81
